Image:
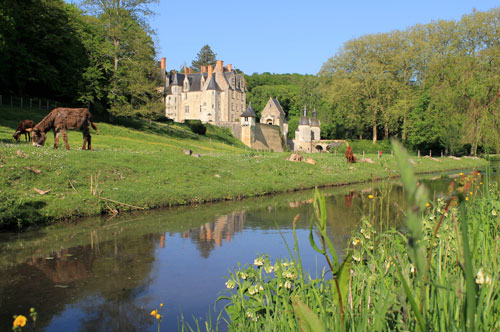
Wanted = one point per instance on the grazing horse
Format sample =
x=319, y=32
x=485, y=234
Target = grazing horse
x=60, y=119
x=22, y=128
x=351, y=158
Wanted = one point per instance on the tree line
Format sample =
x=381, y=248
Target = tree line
x=433, y=86
x=100, y=54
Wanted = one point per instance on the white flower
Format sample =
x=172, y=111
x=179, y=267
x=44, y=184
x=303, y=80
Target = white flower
x=252, y=290
x=268, y=268
x=494, y=212
x=260, y=287
x=243, y=275
x=288, y=284
x=258, y=261
x=355, y=242
x=480, y=277
x=356, y=258
x=412, y=269
x=230, y=284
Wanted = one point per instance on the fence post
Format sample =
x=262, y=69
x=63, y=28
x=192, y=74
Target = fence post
x=419, y=154
x=430, y=153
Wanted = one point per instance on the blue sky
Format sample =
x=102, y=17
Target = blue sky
x=286, y=36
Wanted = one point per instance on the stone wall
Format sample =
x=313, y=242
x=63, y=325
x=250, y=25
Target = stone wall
x=267, y=137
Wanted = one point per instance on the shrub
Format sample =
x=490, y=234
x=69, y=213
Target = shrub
x=197, y=127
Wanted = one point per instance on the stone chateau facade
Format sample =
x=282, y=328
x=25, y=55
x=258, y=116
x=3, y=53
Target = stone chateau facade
x=213, y=95
x=217, y=95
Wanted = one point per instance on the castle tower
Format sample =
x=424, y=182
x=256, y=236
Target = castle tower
x=247, y=121
x=303, y=133
x=315, y=127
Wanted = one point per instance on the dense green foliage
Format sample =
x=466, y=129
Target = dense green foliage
x=104, y=57
x=434, y=86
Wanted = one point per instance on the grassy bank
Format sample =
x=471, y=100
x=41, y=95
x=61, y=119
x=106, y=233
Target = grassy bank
x=135, y=165
x=440, y=273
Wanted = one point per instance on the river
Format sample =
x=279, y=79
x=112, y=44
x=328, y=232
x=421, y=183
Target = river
x=103, y=274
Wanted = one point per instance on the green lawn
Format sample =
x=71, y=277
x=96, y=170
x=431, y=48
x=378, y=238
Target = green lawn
x=136, y=165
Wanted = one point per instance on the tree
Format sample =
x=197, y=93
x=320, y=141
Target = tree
x=126, y=55
x=205, y=57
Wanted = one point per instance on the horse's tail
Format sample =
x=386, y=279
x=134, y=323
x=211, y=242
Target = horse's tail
x=93, y=125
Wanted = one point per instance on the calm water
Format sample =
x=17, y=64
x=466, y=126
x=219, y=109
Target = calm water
x=107, y=275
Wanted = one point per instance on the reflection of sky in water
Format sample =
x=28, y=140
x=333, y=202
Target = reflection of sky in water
x=185, y=281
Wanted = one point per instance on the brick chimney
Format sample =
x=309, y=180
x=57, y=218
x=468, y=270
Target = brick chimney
x=163, y=64
x=203, y=69
x=229, y=67
x=220, y=65
x=210, y=71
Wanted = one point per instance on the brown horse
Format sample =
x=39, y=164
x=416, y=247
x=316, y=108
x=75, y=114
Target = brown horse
x=351, y=158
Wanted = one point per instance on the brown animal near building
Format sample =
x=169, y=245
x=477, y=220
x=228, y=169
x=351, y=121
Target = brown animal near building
x=351, y=158
x=60, y=119
x=22, y=129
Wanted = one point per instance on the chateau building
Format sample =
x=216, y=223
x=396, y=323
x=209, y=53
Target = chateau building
x=273, y=114
x=308, y=134
x=214, y=95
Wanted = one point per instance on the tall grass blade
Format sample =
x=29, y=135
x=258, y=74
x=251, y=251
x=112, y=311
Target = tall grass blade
x=308, y=320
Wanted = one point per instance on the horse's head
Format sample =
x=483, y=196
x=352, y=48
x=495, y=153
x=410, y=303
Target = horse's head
x=38, y=137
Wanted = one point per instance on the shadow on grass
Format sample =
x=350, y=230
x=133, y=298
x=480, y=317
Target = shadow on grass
x=18, y=216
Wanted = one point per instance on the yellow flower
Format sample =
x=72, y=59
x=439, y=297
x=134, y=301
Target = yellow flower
x=466, y=198
x=19, y=321
x=460, y=173
x=428, y=204
x=158, y=316
x=480, y=183
x=154, y=312
x=470, y=193
x=370, y=196
x=161, y=305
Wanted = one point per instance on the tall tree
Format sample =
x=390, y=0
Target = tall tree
x=205, y=57
x=129, y=47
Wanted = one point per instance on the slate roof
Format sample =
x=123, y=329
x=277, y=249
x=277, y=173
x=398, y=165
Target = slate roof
x=303, y=119
x=249, y=112
x=314, y=121
x=212, y=85
x=278, y=106
x=176, y=79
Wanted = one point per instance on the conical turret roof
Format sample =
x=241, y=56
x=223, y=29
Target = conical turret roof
x=249, y=112
x=303, y=119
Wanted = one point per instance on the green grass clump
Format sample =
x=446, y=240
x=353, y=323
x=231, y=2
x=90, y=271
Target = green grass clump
x=136, y=165
x=439, y=273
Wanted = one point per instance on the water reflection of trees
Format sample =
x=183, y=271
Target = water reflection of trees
x=112, y=272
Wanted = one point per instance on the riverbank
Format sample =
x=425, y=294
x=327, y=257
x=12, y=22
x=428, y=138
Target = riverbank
x=136, y=166
x=437, y=274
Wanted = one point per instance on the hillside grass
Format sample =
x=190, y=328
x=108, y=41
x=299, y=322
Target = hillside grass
x=137, y=165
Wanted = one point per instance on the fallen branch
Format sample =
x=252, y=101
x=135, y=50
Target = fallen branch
x=113, y=201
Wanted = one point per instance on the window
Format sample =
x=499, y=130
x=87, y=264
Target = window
x=246, y=118
x=200, y=108
x=186, y=109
